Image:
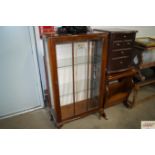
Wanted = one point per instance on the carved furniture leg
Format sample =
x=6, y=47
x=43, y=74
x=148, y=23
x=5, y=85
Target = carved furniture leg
x=128, y=103
x=135, y=95
x=142, y=78
x=102, y=113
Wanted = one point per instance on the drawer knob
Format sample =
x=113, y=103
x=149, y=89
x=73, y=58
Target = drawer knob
x=122, y=52
x=118, y=44
x=124, y=36
x=121, y=62
x=128, y=43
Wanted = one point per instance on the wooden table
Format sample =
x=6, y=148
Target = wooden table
x=143, y=48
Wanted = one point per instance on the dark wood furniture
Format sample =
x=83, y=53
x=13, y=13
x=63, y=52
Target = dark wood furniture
x=76, y=69
x=145, y=50
x=120, y=49
x=120, y=69
x=119, y=87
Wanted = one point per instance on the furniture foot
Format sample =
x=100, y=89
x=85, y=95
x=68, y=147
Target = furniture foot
x=51, y=118
x=128, y=104
x=135, y=96
x=59, y=125
x=103, y=114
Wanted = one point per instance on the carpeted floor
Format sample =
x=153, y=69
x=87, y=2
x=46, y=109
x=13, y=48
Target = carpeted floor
x=119, y=117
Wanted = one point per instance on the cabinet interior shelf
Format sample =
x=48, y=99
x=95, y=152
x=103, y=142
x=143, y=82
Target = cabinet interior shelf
x=90, y=86
x=78, y=61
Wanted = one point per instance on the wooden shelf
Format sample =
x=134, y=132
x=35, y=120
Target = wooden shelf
x=116, y=76
x=146, y=82
x=147, y=65
x=115, y=99
x=68, y=111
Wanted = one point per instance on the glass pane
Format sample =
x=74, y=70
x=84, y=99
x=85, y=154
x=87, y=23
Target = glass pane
x=80, y=76
x=64, y=55
x=95, y=73
x=79, y=91
x=65, y=79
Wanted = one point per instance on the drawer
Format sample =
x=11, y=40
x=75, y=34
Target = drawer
x=122, y=44
x=128, y=44
x=121, y=53
x=123, y=36
x=119, y=64
x=117, y=45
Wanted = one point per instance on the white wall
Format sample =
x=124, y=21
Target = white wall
x=20, y=88
x=142, y=30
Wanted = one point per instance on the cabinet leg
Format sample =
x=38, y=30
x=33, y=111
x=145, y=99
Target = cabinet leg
x=102, y=114
x=51, y=118
x=59, y=125
x=130, y=86
x=135, y=96
x=131, y=104
x=128, y=103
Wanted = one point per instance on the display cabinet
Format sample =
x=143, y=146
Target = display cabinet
x=75, y=69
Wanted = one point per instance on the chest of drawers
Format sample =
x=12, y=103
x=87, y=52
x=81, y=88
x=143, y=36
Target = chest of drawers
x=120, y=67
x=120, y=49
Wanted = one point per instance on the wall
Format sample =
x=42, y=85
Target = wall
x=142, y=30
x=19, y=80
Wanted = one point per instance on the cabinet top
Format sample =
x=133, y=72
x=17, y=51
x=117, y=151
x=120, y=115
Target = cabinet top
x=94, y=33
x=78, y=37
x=116, y=30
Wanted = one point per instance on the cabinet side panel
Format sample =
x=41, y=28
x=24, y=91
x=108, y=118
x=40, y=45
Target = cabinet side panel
x=50, y=82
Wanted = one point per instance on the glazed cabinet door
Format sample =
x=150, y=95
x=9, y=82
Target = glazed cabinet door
x=79, y=76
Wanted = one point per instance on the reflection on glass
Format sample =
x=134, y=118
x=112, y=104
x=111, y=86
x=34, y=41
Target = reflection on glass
x=79, y=70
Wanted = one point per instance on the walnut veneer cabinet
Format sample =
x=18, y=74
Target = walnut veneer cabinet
x=75, y=69
x=120, y=68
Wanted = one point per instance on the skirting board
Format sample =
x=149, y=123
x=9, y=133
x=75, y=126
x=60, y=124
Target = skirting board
x=22, y=112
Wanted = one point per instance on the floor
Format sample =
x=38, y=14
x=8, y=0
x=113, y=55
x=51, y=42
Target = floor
x=119, y=117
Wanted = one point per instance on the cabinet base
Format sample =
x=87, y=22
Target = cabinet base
x=60, y=124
